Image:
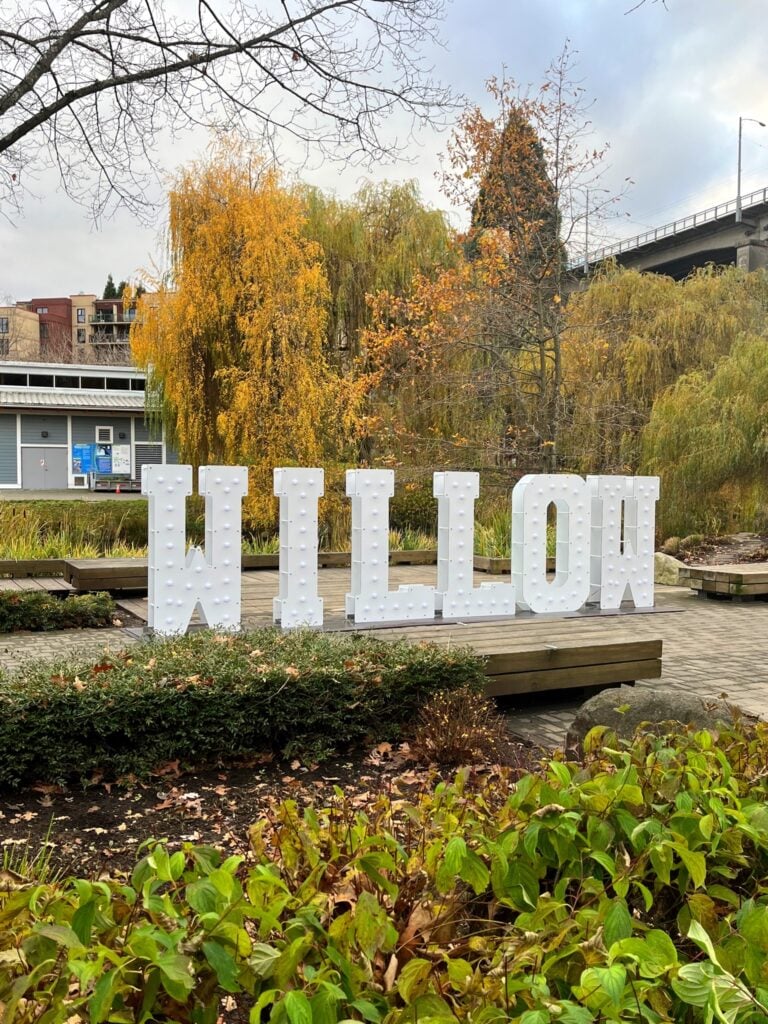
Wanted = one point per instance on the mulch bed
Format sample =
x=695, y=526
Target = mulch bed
x=728, y=550
x=98, y=830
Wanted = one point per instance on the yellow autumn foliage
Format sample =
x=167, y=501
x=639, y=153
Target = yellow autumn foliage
x=234, y=336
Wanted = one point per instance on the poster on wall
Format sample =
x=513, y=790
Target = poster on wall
x=82, y=458
x=103, y=458
x=121, y=459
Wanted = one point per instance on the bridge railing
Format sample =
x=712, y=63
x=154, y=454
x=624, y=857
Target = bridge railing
x=674, y=227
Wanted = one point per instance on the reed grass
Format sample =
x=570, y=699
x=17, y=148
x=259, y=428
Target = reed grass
x=59, y=529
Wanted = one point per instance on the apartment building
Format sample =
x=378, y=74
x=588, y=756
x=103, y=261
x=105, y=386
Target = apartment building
x=78, y=327
x=19, y=333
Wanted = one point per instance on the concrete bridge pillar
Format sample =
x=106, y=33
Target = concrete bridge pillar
x=752, y=255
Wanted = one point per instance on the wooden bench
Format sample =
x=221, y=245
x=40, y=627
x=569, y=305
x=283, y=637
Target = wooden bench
x=90, y=574
x=18, y=568
x=533, y=656
x=749, y=580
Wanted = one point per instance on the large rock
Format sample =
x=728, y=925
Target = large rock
x=659, y=708
x=666, y=569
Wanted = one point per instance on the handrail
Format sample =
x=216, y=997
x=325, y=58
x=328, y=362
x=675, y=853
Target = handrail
x=674, y=227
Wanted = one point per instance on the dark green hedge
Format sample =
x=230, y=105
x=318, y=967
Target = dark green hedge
x=36, y=610
x=207, y=698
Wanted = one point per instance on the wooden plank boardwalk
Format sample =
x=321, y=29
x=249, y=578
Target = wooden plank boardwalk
x=524, y=654
x=741, y=580
x=86, y=574
x=50, y=585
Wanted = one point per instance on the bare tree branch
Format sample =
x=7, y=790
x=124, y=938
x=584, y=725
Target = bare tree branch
x=88, y=86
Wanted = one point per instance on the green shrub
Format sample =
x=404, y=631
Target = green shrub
x=414, y=509
x=693, y=540
x=209, y=697
x=36, y=610
x=630, y=888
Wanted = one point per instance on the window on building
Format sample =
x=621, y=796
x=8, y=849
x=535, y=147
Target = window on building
x=80, y=315
x=118, y=384
x=13, y=379
x=67, y=382
x=41, y=309
x=81, y=335
x=5, y=346
x=4, y=325
x=40, y=380
x=43, y=332
x=94, y=383
x=131, y=314
x=138, y=385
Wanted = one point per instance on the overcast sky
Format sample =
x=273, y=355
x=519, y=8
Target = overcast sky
x=668, y=87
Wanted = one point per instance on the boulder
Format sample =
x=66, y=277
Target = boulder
x=667, y=569
x=640, y=705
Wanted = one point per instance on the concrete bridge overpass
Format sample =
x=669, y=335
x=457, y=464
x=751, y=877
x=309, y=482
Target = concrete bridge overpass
x=709, y=236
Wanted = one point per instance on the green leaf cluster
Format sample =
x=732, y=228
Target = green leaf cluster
x=632, y=887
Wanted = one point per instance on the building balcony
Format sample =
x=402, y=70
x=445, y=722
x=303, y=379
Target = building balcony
x=105, y=338
x=109, y=318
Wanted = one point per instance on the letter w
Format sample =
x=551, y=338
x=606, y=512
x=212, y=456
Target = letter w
x=179, y=581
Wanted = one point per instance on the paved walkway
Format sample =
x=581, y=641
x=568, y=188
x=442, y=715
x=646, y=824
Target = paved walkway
x=71, y=494
x=710, y=647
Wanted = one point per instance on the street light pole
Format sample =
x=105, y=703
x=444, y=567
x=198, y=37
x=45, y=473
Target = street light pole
x=586, y=238
x=586, y=226
x=738, y=170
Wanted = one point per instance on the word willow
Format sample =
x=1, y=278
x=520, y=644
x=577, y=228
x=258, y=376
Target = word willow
x=604, y=547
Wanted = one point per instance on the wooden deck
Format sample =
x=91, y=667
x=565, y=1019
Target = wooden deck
x=748, y=580
x=525, y=654
x=130, y=574
x=51, y=584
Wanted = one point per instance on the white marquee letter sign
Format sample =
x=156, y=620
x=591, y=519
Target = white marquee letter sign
x=604, y=548
x=179, y=581
x=370, y=599
x=623, y=563
x=298, y=603
x=530, y=501
x=456, y=494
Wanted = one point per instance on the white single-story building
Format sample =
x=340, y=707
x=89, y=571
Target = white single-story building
x=64, y=425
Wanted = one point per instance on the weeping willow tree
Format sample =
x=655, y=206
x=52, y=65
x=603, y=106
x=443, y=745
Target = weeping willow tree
x=235, y=336
x=379, y=240
x=708, y=441
x=630, y=336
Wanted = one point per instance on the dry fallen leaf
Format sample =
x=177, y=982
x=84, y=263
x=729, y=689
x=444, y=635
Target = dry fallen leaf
x=390, y=974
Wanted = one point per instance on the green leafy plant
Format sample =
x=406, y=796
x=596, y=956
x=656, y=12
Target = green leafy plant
x=629, y=887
